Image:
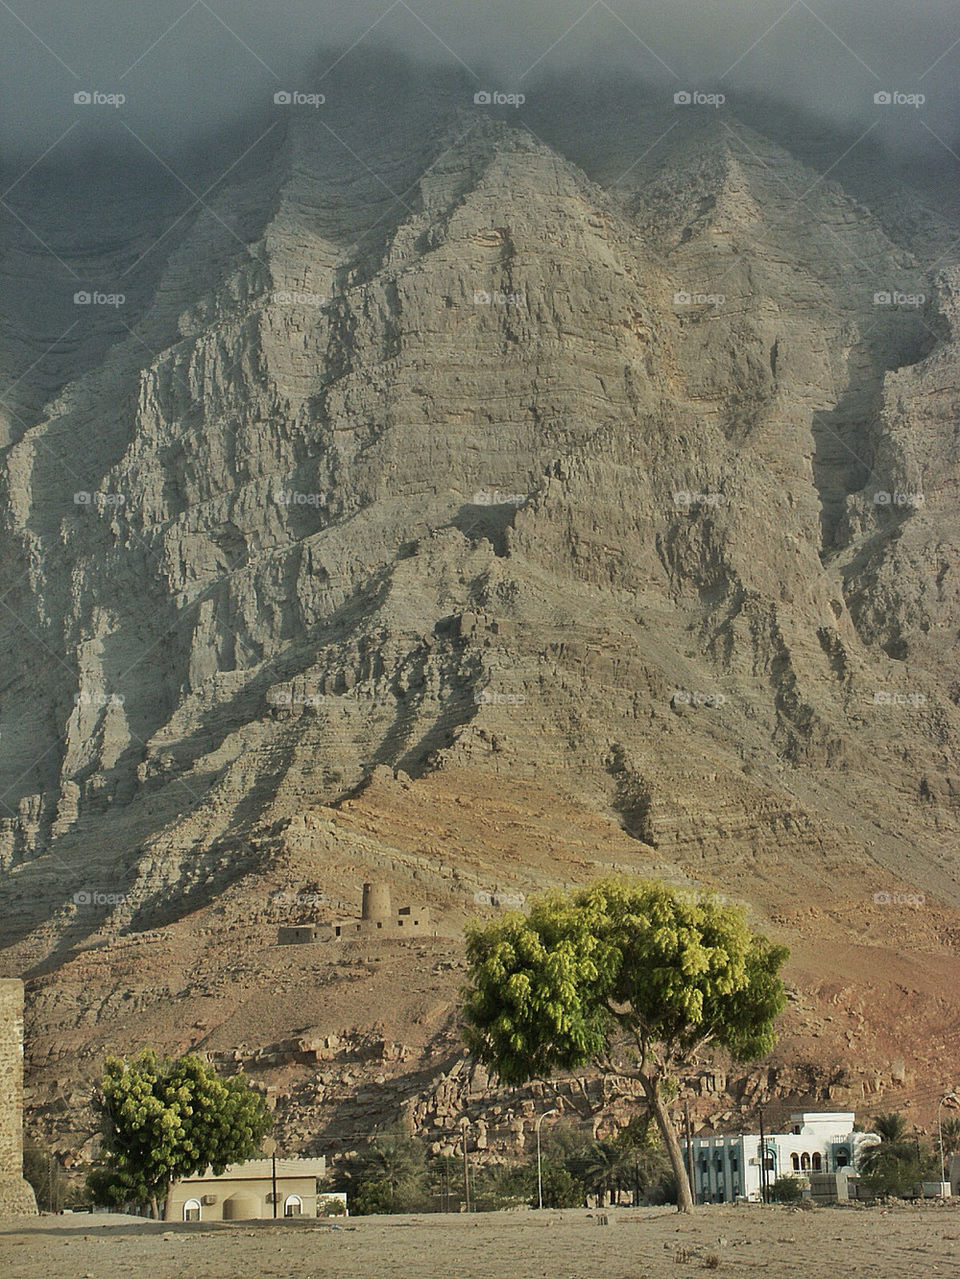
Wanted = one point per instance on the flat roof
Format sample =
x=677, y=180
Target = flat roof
x=256, y=1169
x=822, y=1116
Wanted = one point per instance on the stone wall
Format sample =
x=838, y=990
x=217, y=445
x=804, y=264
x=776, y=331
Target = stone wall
x=16, y=1196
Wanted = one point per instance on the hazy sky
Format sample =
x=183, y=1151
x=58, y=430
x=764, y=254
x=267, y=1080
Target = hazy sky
x=189, y=66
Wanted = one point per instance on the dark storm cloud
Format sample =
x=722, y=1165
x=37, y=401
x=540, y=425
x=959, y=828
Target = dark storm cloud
x=186, y=68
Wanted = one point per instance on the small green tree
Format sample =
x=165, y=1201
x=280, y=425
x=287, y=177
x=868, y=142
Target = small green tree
x=787, y=1190
x=166, y=1118
x=634, y=977
x=896, y=1168
x=372, y=1198
x=561, y=1189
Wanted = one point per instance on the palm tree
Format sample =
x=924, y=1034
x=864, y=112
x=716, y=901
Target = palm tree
x=951, y=1134
x=897, y=1160
x=894, y=1143
x=604, y=1166
x=891, y=1126
x=395, y=1159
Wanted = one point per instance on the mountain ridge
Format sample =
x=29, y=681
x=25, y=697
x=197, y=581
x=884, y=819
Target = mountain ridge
x=429, y=457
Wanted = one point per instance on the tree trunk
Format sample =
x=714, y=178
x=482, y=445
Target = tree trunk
x=669, y=1134
x=159, y=1196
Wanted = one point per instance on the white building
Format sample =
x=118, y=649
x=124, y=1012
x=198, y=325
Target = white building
x=728, y=1168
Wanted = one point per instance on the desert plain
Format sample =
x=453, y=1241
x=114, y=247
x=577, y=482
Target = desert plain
x=739, y=1241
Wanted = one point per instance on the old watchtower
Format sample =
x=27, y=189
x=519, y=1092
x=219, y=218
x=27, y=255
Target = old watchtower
x=376, y=903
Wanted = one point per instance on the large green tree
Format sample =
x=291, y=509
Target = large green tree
x=165, y=1118
x=632, y=976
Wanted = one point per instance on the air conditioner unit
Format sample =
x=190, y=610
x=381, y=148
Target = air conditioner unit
x=208, y=1199
x=754, y=1163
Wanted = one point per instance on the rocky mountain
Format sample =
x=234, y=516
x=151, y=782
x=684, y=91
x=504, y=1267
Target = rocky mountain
x=485, y=498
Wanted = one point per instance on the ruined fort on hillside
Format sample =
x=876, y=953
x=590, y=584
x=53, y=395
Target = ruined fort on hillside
x=378, y=919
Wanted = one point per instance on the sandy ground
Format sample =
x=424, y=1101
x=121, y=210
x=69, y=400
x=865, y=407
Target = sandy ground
x=644, y=1244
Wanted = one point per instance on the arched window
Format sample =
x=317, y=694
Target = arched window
x=805, y=1162
x=292, y=1206
x=191, y=1210
x=795, y=1161
x=817, y=1161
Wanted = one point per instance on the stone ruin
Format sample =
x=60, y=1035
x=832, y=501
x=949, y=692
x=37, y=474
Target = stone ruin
x=16, y=1194
x=377, y=919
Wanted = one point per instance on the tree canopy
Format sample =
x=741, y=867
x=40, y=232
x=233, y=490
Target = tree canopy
x=631, y=975
x=166, y=1118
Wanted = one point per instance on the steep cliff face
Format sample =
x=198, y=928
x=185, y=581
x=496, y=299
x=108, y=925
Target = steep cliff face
x=419, y=447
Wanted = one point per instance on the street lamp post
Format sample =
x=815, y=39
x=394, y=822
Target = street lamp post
x=540, y=1119
x=952, y=1095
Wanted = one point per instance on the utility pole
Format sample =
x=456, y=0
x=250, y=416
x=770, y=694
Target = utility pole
x=686, y=1120
x=270, y=1148
x=763, y=1161
x=466, y=1165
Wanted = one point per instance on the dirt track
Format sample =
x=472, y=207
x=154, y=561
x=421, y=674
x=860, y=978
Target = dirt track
x=645, y=1244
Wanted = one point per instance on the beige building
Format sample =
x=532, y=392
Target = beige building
x=244, y=1192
